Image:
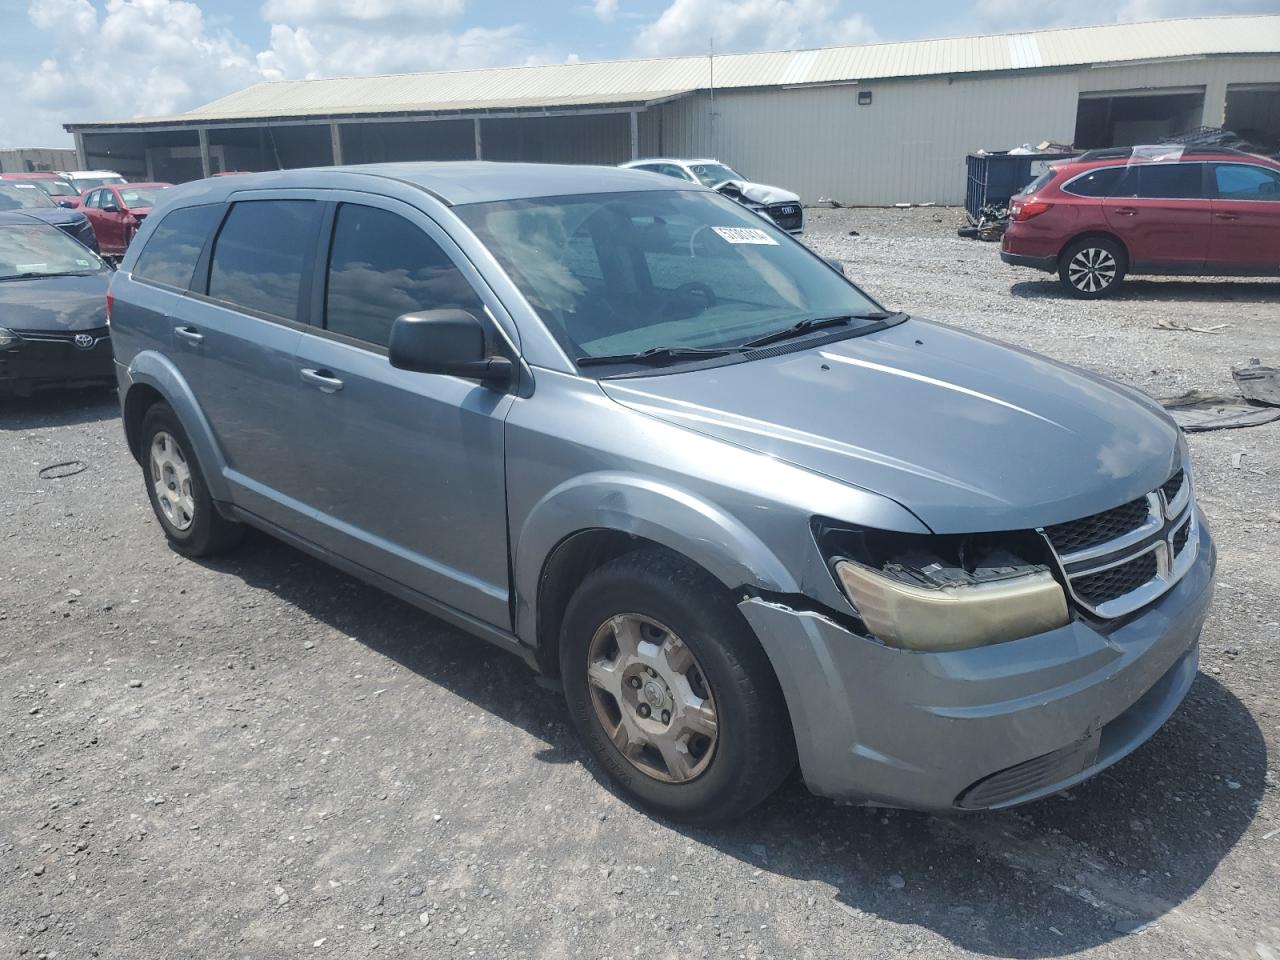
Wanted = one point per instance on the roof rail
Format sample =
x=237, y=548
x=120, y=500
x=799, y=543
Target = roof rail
x=1117, y=153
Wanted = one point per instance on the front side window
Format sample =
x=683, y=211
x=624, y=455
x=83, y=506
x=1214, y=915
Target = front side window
x=1242, y=181
x=28, y=252
x=91, y=199
x=381, y=266
x=712, y=174
x=260, y=253
x=170, y=255
x=619, y=273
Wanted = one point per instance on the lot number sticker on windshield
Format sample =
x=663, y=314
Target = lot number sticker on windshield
x=745, y=235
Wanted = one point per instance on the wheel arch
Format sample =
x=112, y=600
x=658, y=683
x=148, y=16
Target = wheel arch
x=153, y=378
x=1096, y=235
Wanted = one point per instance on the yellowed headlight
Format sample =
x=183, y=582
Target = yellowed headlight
x=953, y=618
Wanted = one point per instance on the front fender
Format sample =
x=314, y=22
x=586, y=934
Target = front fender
x=154, y=370
x=642, y=507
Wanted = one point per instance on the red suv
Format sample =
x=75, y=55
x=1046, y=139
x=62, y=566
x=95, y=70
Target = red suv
x=1148, y=210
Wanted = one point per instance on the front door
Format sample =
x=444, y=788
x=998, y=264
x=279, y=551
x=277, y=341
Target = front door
x=404, y=471
x=1161, y=213
x=1246, y=219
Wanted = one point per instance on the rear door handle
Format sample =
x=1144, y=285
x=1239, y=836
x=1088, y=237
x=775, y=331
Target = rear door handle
x=1227, y=216
x=1127, y=211
x=189, y=334
x=323, y=380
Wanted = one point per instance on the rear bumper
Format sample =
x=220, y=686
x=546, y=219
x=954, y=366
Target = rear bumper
x=34, y=364
x=982, y=728
x=1048, y=264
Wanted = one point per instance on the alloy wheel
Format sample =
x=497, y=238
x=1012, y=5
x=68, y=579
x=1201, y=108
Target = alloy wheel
x=652, y=698
x=171, y=481
x=1092, y=269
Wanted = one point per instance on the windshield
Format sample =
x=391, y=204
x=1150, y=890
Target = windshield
x=57, y=188
x=620, y=273
x=23, y=196
x=40, y=250
x=713, y=174
x=88, y=183
x=140, y=197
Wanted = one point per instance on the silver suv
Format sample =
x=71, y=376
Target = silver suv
x=628, y=430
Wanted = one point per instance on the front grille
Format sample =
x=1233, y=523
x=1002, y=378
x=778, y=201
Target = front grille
x=1089, y=532
x=1172, y=487
x=1096, y=589
x=789, y=216
x=1030, y=777
x=62, y=336
x=1181, y=537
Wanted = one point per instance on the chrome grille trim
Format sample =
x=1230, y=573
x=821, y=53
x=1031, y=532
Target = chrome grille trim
x=1169, y=522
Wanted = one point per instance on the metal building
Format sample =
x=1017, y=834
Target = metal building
x=872, y=124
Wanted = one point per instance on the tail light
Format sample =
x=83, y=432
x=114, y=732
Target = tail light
x=1020, y=210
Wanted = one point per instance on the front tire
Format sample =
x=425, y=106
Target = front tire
x=1092, y=268
x=177, y=489
x=671, y=692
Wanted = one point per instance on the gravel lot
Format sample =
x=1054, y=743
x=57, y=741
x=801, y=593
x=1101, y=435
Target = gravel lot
x=260, y=757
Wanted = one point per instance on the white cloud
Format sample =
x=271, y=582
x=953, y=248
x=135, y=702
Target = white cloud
x=605, y=10
x=1007, y=15
x=362, y=11
x=686, y=26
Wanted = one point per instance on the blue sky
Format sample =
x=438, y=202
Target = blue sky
x=81, y=60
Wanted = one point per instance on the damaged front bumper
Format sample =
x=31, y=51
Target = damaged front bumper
x=986, y=727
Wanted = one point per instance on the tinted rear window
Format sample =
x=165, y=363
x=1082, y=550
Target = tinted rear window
x=171, y=254
x=1161, y=181
x=1095, y=183
x=260, y=253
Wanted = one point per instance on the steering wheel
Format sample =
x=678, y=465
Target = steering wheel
x=693, y=239
x=698, y=288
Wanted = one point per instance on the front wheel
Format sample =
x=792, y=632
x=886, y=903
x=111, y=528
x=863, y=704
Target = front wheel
x=671, y=692
x=1092, y=268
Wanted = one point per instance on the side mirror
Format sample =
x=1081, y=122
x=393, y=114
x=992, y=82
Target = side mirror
x=835, y=265
x=449, y=342
x=110, y=207
x=67, y=203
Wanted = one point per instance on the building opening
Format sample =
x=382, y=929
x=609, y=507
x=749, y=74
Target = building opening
x=1123, y=120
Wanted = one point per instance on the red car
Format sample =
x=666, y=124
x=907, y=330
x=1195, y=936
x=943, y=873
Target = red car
x=116, y=210
x=1159, y=210
x=54, y=184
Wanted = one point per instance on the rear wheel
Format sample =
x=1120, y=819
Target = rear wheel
x=177, y=490
x=1092, y=268
x=671, y=692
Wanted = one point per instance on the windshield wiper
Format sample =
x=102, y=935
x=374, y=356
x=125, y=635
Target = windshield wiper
x=655, y=355
x=812, y=323
x=34, y=275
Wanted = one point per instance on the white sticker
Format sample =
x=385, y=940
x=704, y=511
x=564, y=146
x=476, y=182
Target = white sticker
x=745, y=235
x=31, y=267
x=83, y=263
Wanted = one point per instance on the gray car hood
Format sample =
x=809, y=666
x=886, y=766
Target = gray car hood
x=56, y=304
x=761, y=193
x=969, y=434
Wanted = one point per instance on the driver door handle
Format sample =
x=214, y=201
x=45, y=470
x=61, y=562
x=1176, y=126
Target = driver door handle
x=1127, y=211
x=1227, y=216
x=189, y=334
x=323, y=380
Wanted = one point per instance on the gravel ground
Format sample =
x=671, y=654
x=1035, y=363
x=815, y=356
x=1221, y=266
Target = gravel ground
x=260, y=757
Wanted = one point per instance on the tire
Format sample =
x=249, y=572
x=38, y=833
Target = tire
x=1092, y=268
x=704, y=654
x=187, y=514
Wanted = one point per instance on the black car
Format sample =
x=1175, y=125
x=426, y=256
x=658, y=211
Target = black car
x=53, y=309
x=29, y=199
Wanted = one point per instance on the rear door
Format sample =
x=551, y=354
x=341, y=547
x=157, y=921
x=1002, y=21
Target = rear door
x=1162, y=213
x=89, y=207
x=404, y=471
x=235, y=340
x=1245, y=237
x=112, y=217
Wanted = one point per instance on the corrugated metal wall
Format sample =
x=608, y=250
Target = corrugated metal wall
x=910, y=143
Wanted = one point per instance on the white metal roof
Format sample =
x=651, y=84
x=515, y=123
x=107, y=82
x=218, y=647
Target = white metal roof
x=630, y=82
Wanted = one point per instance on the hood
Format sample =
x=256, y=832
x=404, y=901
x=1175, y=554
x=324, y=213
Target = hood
x=761, y=192
x=57, y=216
x=55, y=303
x=969, y=434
